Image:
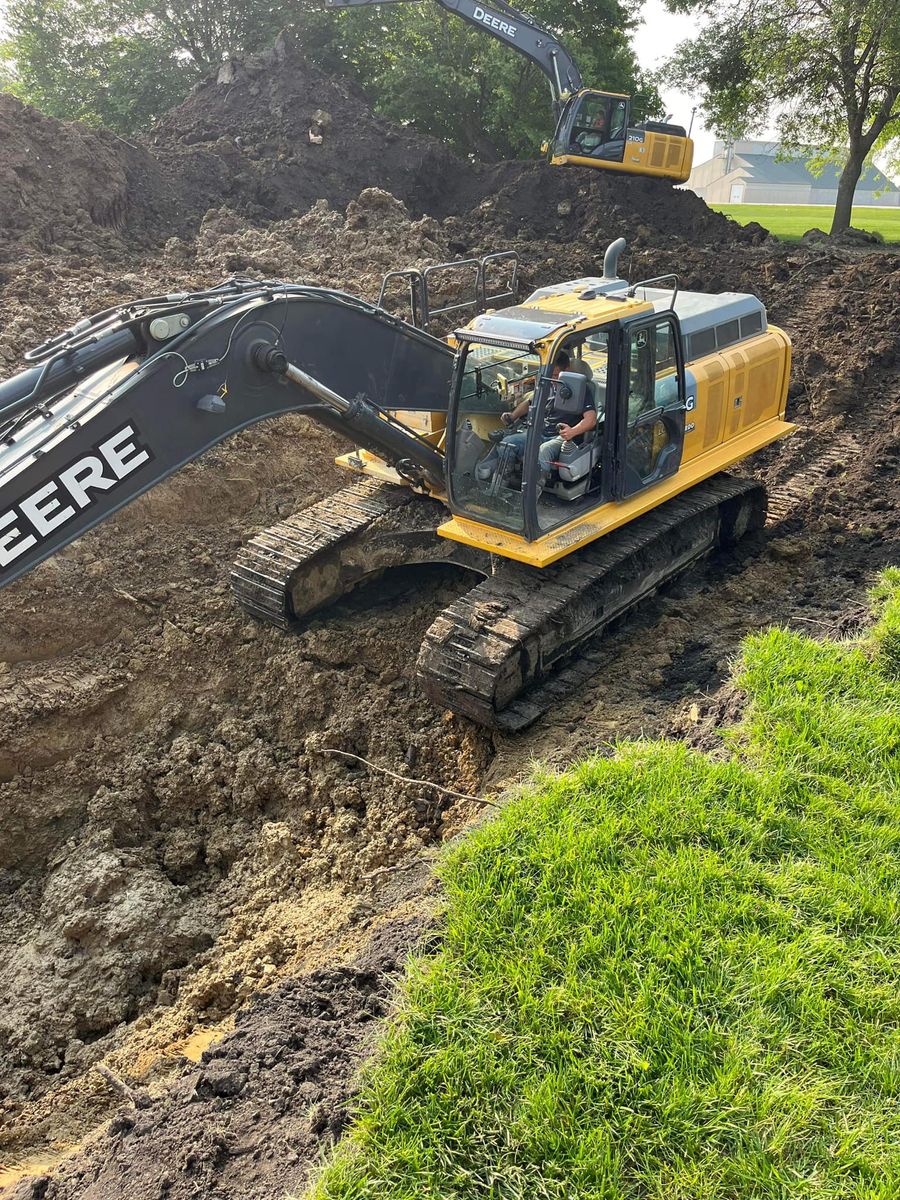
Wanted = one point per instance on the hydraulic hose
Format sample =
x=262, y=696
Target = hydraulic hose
x=57, y=375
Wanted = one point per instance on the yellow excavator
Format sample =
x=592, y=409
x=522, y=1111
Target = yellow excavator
x=569, y=449
x=593, y=127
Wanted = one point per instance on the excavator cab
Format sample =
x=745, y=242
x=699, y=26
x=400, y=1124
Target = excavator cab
x=523, y=478
x=593, y=125
x=595, y=130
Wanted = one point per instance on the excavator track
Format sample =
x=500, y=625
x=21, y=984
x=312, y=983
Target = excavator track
x=520, y=641
x=314, y=557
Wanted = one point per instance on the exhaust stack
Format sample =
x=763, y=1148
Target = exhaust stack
x=611, y=258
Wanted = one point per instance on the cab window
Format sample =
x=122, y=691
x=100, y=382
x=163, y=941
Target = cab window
x=485, y=464
x=598, y=128
x=665, y=348
x=569, y=470
x=653, y=426
x=618, y=119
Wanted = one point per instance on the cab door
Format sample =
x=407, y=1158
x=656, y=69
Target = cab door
x=592, y=125
x=650, y=404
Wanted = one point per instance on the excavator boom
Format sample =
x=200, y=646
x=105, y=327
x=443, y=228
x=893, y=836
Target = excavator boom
x=516, y=29
x=122, y=400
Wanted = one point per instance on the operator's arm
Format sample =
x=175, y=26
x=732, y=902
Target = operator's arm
x=518, y=412
x=585, y=425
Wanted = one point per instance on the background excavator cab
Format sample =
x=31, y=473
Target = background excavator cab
x=593, y=125
x=594, y=129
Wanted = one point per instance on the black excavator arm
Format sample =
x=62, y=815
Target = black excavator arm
x=119, y=402
x=515, y=29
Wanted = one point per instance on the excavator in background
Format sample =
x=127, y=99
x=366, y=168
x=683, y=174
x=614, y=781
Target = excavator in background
x=593, y=127
x=682, y=385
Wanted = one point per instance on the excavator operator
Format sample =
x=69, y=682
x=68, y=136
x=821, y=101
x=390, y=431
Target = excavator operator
x=604, y=136
x=596, y=135
x=555, y=432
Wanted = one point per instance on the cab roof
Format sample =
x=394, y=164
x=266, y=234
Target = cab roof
x=594, y=300
x=547, y=311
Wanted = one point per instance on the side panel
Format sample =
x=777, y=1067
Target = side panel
x=736, y=391
x=392, y=364
x=646, y=153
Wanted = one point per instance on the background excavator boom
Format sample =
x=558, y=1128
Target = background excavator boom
x=515, y=29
